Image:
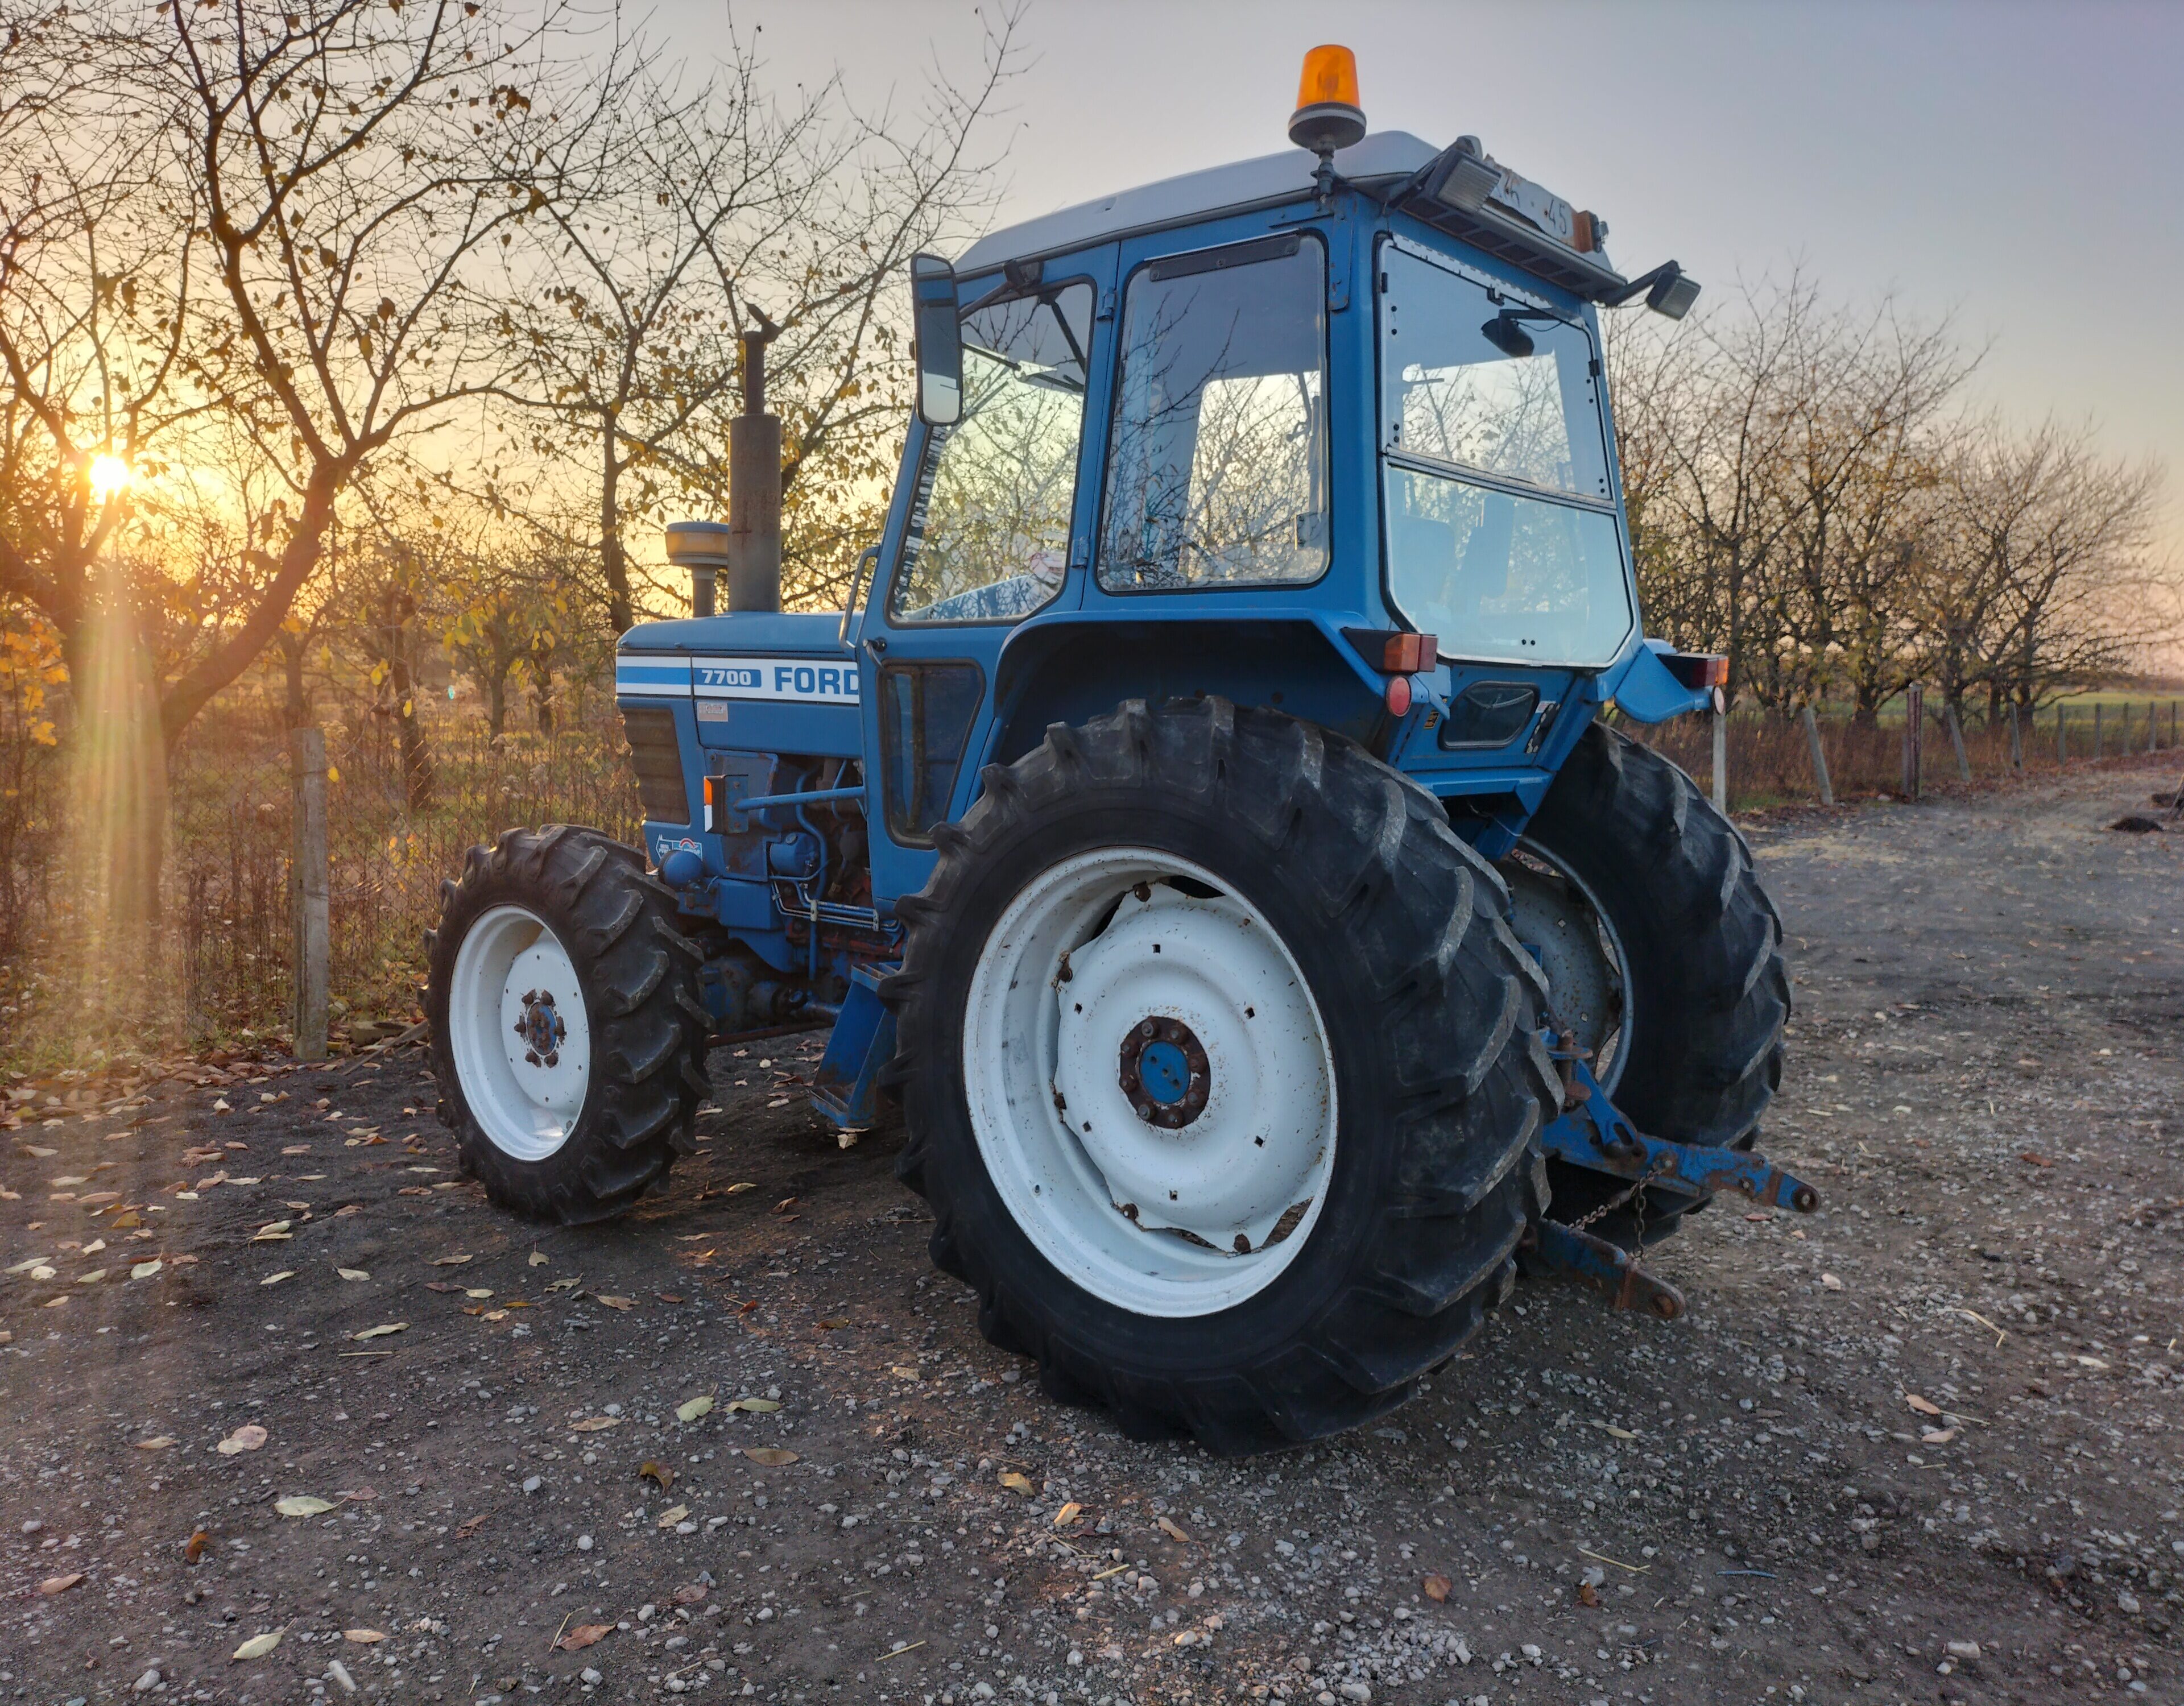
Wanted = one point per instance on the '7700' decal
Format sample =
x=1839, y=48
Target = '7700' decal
x=803, y=680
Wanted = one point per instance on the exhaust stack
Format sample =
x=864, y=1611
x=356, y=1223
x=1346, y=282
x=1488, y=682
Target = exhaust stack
x=753, y=542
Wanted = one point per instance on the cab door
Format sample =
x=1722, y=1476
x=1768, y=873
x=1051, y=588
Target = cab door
x=991, y=524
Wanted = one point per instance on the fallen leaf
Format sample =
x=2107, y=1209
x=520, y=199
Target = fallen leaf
x=144, y=1270
x=1829, y=1282
x=60, y=1584
x=276, y=1279
x=1937, y=1436
x=1172, y=1530
x=92, y=1278
x=1924, y=1407
x=619, y=1302
x=42, y=1154
x=1016, y=1482
x=353, y=1272
x=673, y=1515
x=477, y=1293
x=2036, y=1160
x=1437, y=1588
x=564, y=1284
x=470, y=1525
x=773, y=1457
x=592, y=1424
x=1616, y=1433
x=536, y=1261
x=757, y=1407
x=1068, y=1513
x=838, y=1322
x=193, y=1548
x=440, y=1286
x=297, y=1149
x=725, y=1190
x=659, y=1472
x=696, y=1407
x=303, y=1504
x=690, y=1593
x=667, y=1296
x=2089, y=1362
x=159, y=1443
x=247, y=1438
x=786, y=1205
x=382, y=1330
x=1587, y=1594
x=584, y=1634
x=448, y=1260
x=365, y=1637
x=258, y=1645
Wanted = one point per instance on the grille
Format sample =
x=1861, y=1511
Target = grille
x=657, y=760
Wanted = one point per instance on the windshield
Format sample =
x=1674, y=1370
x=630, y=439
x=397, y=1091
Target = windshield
x=1502, y=535
x=988, y=537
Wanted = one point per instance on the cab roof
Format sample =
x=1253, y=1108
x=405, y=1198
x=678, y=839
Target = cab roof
x=1381, y=164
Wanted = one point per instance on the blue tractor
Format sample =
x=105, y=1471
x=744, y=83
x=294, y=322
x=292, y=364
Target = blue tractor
x=1206, y=829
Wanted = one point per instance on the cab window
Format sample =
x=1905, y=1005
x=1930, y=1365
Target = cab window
x=1500, y=528
x=989, y=534
x=1218, y=458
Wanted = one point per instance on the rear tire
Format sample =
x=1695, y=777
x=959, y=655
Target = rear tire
x=1406, y=990
x=1699, y=1053
x=569, y=1095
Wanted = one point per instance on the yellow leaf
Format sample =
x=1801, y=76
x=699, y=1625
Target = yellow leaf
x=1016, y=1482
x=536, y=1260
x=365, y=1637
x=673, y=1515
x=276, y=1279
x=258, y=1645
x=353, y=1272
x=158, y=1443
x=144, y=1270
x=303, y=1504
x=1172, y=1532
x=382, y=1330
x=757, y=1407
x=773, y=1457
x=592, y=1424
x=696, y=1407
x=247, y=1438
x=1068, y=1513
x=1921, y=1405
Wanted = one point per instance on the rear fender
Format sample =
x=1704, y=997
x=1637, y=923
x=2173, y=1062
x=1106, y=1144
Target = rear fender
x=1072, y=668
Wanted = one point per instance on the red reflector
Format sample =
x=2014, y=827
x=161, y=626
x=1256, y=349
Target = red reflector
x=1696, y=669
x=1399, y=696
x=1407, y=654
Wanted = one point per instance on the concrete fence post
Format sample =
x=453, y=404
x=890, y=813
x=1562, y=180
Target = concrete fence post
x=1721, y=756
x=308, y=888
x=1819, y=757
x=1956, y=739
x=1914, y=739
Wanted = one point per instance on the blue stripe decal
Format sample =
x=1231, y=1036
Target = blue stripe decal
x=653, y=675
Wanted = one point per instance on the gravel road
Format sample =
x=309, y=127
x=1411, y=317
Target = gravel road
x=1922, y=1445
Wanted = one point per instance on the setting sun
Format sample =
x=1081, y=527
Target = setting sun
x=109, y=477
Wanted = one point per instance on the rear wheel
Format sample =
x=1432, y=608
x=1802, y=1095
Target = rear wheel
x=1664, y=956
x=1219, y=1067
x=567, y=1030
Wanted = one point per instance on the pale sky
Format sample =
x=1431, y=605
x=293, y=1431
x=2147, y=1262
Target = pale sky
x=2017, y=165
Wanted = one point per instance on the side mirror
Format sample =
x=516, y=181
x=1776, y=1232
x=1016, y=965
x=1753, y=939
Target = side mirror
x=939, y=341
x=1674, y=295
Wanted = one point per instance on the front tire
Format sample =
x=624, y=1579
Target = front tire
x=568, y=1033
x=1220, y=1069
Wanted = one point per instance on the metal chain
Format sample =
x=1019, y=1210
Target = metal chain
x=1618, y=1200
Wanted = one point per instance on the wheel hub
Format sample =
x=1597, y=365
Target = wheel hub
x=1165, y=1072
x=543, y=1029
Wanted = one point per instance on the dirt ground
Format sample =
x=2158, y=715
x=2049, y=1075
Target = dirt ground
x=1922, y=1445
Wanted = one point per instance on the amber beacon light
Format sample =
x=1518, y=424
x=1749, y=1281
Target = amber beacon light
x=1328, y=114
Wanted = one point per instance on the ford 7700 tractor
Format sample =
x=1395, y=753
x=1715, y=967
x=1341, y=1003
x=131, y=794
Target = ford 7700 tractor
x=1205, y=828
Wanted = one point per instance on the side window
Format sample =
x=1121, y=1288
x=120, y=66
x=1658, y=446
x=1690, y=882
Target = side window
x=926, y=711
x=988, y=536
x=1216, y=472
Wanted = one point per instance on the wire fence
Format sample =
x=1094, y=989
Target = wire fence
x=213, y=971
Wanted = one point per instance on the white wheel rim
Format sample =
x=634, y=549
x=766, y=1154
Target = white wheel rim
x=1588, y=972
x=520, y=1034
x=1200, y=1203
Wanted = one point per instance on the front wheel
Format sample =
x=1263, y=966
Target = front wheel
x=1220, y=1070
x=568, y=1033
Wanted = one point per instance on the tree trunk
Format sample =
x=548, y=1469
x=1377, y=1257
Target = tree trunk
x=496, y=703
x=621, y=611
